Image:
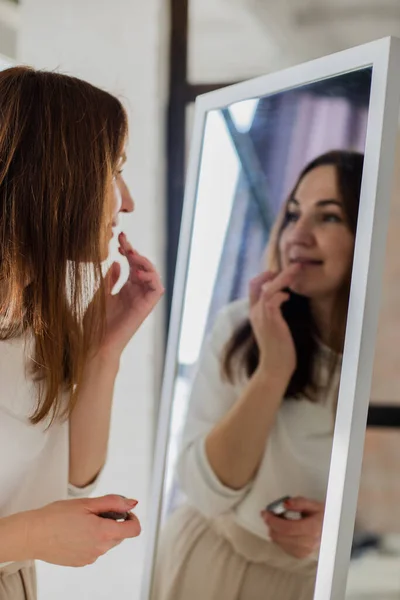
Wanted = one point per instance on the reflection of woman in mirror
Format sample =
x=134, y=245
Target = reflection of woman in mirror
x=261, y=414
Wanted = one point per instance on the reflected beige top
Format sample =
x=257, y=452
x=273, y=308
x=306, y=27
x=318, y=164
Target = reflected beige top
x=34, y=462
x=297, y=453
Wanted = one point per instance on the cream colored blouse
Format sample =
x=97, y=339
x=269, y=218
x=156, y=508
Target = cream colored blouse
x=34, y=462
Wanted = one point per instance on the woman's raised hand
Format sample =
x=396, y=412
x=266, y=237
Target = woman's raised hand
x=273, y=336
x=126, y=310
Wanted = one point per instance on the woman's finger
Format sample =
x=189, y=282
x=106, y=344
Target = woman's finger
x=256, y=284
x=281, y=281
x=128, y=250
x=305, y=505
x=123, y=240
x=127, y=529
x=305, y=541
x=298, y=548
x=286, y=527
x=294, y=539
x=133, y=256
x=150, y=279
x=142, y=270
x=145, y=277
x=141, y=262
x=277, y=299
x=144, y=263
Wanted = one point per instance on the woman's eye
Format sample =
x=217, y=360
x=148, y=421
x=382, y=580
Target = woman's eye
x=291, y=217
x=332, y=218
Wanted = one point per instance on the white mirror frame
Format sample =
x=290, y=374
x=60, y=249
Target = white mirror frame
x=355, y=386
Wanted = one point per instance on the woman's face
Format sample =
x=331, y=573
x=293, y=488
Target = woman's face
x=317, y=236
x=118, y=200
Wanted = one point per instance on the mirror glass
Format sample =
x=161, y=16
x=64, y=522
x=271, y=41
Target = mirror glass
x=260, y=346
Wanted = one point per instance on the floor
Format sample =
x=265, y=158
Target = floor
x=376, y=575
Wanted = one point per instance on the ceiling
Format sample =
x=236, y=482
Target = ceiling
x=234, y=39
x=319, y=26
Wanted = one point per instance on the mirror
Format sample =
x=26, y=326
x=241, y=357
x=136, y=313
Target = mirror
x=256, y=348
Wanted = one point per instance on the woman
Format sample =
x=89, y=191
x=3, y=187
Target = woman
x=62, y=148
x=261, y=414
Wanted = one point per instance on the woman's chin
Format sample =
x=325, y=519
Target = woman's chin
x=312, y=292
x=302, y=289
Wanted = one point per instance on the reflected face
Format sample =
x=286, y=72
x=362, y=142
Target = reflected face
x=317, y=236
x=118, y=200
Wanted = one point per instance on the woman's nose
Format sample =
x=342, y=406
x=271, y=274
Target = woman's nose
x=127, y=203
x=302, y=233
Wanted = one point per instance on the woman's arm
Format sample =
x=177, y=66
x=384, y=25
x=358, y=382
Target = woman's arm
x=211, y=399
x=126, y=311
x=67, y=532
x=236, y=445
x=14, y=538
x=90, y=419
x=226, y=432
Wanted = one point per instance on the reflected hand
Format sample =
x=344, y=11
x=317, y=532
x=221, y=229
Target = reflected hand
x=256, y=284
x=273, y=336
x=297, y=538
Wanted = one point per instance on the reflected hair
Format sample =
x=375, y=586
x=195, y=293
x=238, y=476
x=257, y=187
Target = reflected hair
x=241, y=353
x=61, y=141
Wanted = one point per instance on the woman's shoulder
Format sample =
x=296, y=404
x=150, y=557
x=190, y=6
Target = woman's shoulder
x=227, y=320
x=232, y=315
x=16, y=386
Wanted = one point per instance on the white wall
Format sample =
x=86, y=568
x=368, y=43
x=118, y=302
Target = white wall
x=5, y=62
x=9, y=26
x=122, y=46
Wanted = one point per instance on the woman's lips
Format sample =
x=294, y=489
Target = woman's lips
x=307, y=262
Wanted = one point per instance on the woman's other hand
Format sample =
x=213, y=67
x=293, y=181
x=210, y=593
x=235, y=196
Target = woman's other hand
x=298, y=538
x=70, y=532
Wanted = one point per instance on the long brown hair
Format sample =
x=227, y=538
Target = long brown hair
x=241, y=352
x=60, y=143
